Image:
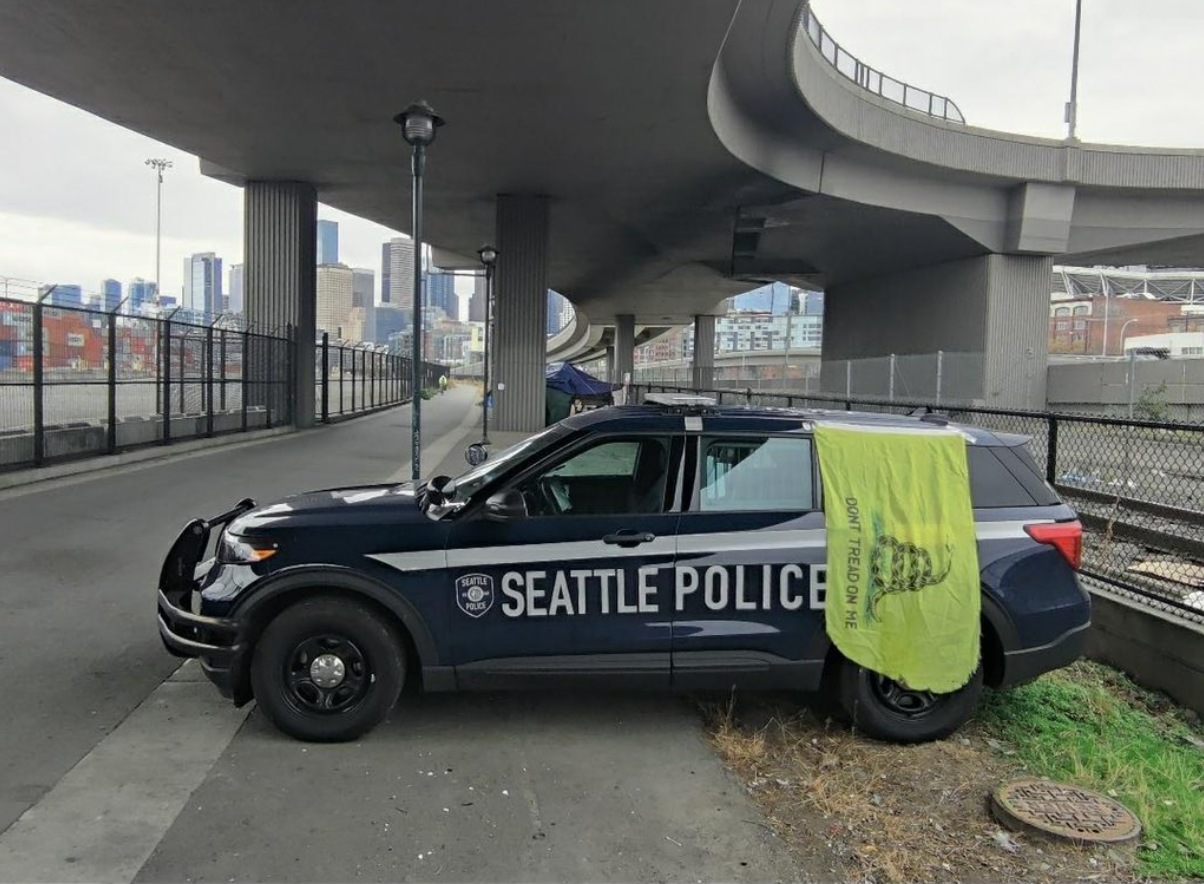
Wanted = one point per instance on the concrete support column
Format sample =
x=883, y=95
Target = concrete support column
x=977, y=327
x=610, y=365
x=704, y=352
x=624, y=347
x=280, y=254
x=521, y=305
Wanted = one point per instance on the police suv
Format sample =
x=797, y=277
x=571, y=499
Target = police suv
x=673, y=545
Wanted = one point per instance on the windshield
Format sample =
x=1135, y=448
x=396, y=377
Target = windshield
x=468, y=484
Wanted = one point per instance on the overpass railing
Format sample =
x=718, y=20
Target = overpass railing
x=873, y=80
x=1138, y=486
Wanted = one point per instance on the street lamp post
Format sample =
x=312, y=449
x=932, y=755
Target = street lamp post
x=1072, y=106
x=159, y=165
x=419, y=123
x=488, y=256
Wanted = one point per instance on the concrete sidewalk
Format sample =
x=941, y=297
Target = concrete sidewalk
x=79, y=643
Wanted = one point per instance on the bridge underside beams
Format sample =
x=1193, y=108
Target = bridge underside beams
x=280, y=248
x=521, y=304
x=971, y=330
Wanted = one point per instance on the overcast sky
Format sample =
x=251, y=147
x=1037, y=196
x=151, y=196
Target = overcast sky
x=77, y=202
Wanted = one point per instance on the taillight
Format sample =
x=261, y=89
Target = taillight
x=1065, y=537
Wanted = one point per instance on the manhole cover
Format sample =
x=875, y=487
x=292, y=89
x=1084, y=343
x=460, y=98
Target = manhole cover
x=1064, y=811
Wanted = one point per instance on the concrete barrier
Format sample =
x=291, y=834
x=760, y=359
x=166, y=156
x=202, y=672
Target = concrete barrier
x=80, y=439
x=1157, y=650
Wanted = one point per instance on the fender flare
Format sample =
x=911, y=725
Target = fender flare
x=317, y=577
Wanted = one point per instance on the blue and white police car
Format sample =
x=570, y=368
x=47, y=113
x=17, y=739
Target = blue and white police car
x=672, y=545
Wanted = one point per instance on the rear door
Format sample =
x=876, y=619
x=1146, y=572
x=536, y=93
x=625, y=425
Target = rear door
x=574, y=589
x=750, y=565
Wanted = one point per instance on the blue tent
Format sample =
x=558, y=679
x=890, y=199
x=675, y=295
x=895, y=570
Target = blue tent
x=568, y=378
x=566, y=383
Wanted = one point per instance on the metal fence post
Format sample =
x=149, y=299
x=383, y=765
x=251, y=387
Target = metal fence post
x=1051, y=450
x=112, y=433
x=165, y=358
x=39, y=386
x=209, y=381
x=353, y=375
x=246, y=353
x=268, y=380
x=891, y=385
x=940, y=374
x=325, y=377
x=373, y=381
x=183, y=371
x=222, y=376
x=848, y=379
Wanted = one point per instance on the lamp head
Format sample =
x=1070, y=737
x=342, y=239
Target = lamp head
x=488, y=255
x=418, y=124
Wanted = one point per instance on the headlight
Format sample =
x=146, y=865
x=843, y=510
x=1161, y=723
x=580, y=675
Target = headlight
x=234, y=550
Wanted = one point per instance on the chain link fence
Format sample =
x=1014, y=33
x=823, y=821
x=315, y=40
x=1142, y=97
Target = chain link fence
x=1138, y=486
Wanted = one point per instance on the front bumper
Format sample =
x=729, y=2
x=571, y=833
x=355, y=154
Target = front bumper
x=217, y=642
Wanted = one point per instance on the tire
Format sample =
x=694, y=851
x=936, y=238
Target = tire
x=879, y=707
x=327, y=670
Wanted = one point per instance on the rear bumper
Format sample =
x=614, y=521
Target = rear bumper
x=1025, y=664
x=217, y=642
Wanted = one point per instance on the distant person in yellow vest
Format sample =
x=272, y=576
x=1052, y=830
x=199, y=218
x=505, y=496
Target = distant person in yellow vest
x=442, y=383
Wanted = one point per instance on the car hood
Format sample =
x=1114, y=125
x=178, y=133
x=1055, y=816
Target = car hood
x=344, y=507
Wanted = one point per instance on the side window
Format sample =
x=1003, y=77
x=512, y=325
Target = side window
x=773, y=473
x=611, y=477
x=991, y=484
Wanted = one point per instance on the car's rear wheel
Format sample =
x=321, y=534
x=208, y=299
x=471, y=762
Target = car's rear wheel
x=327, y=670
x=887, y=710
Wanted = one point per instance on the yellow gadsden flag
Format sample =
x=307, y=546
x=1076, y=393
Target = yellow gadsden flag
x=903, y=585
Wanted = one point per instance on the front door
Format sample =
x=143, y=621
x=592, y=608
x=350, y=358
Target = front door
x=576, y=588
x=750, y=566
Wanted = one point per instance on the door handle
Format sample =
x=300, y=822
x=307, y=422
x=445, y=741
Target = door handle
x=627, y=537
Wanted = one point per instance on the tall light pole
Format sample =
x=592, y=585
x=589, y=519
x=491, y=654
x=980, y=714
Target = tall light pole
x=488, y=256
x=1072, y=106
x=419, y=123
x=160, y=166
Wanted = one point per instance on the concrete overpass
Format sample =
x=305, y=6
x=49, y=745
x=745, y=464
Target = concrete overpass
x=646, y=159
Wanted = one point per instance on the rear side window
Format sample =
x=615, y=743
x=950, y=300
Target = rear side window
x=991, y=483
x=756, y=474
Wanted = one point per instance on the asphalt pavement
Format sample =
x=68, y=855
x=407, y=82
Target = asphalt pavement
x=111, y=771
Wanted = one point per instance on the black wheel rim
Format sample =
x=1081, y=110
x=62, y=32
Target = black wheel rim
x=902, y=700
x=326, y=675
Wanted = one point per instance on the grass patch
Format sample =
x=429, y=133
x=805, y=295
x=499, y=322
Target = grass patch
x=1090, y=726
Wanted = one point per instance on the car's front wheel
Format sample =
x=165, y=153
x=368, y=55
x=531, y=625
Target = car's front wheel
x=887, y=710
x=327, y=670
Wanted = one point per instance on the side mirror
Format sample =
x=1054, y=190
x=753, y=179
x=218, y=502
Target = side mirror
x=440, y=489
x=506, y=505
x=476, y=454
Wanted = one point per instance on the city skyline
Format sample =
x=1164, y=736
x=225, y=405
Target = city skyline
x=78, y=204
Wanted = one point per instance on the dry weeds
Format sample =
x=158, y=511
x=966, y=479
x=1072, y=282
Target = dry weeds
x=890, y=813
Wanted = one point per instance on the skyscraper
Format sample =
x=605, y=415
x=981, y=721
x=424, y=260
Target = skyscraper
x=63, y=295
x=363, y=297
x=142, y=293
x=397, y=272
x=234, y=303
x=110, y=295
x=476, y=301
x=202, y=293
x=441, y=293
x=328, y=242
x=333, y=309
x=390, y=321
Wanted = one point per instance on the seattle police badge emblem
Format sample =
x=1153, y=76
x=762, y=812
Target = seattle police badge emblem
x=474, y=594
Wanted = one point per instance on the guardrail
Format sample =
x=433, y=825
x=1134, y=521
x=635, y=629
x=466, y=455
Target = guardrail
x=873, y=80
x=1138, y=486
